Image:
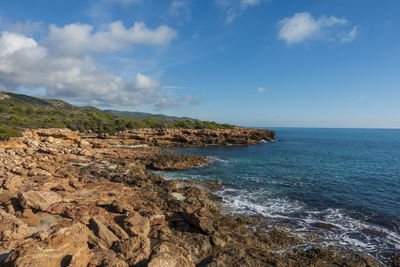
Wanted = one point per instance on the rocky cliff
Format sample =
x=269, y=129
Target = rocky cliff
x=72, y=201
x=191, y=137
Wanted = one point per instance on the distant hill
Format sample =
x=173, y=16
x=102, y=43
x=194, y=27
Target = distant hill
x=19, y=111
x=143, y=115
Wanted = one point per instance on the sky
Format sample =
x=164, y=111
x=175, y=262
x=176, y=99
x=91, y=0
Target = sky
x=260, y=63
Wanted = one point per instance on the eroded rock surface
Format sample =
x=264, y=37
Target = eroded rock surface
x=77, y=200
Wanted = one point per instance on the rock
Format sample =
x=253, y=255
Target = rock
x=84, y=144
x=395, y=259
x=102, y=232
x=197, y=245
x=121, y=206
x=81, y=258
x=39, y=200
x=326, y=226
x=178, y=196
x=38, y=172
x=117, y=230
x=65, y=246
x=167, y=254
x=198, y=219
x=28, y=217
x=218, y=242
x=13, y=183
x=106, y=258
x=12, y=228
x=135, y=250
x=136, y=225
x=157, y=219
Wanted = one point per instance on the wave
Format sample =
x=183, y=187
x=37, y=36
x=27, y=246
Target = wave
x=218, y=160
x=333, y=227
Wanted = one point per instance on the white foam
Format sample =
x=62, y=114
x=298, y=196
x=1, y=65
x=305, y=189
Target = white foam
x=216, y=159
x=348, y=232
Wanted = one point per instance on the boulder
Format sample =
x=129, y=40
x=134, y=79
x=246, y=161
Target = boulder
x=66, y=247
x=136, y=225
x=39, y=200
x=11, y=228
x=28, y=217
x=121, y=206
x=102, y=232
x=199, y=219
x=13, y=183
x=157, y=219
x=135, y=250
x=167, y=254
x=106, y=258
x=117, y=230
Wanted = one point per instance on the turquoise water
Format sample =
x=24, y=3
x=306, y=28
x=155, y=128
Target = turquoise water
x=349, y=178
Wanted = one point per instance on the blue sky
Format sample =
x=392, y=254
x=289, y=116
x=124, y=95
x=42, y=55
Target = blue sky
x=248, y=62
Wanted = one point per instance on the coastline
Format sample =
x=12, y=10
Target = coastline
x=89, y=201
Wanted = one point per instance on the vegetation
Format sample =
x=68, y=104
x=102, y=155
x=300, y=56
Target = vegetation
x=21, y=112
x=143, y=115
x=7, y=132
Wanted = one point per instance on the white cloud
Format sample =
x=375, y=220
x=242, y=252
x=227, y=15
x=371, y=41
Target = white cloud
x=26, y=28
x=13, y=42
x=61, y=67
x=262, y=89
x=175, y=87
x=249, y=3
x=169, y=102
x=235, y=8
x=350, y=36
x=180, y=9
x=78, y=38
x=302, y=26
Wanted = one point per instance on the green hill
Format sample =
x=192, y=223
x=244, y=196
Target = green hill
x=19, y=112
x=143, y=115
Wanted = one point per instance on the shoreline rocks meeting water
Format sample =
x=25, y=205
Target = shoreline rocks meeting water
x=70, y=199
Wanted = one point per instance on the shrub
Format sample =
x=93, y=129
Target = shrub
x=7, y=132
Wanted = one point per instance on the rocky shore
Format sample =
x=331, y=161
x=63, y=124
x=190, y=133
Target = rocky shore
x=81, y=200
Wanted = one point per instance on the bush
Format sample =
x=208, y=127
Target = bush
x=7, y=132
x=86, y=119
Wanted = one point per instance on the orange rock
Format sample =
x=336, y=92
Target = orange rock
x=167, y=254
x=67, y=245
x=135, y=250
x=11, y=228
x=136, y=225
x=102, y=232
x=39, y=200
x=28, y=217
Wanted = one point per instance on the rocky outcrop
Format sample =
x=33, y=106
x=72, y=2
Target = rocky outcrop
x=68, y=200
x=66, y=247
x=39, y=200
x=191, y=137
x=11, y=228
x=170, y=255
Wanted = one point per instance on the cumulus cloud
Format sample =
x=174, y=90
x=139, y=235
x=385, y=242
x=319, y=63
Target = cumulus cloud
x=78, y=38
x=61, y=66
x=27, y=28
x=235, y=8
x=302, y=26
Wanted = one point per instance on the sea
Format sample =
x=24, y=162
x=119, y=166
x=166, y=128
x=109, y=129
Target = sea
x=345, y=179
